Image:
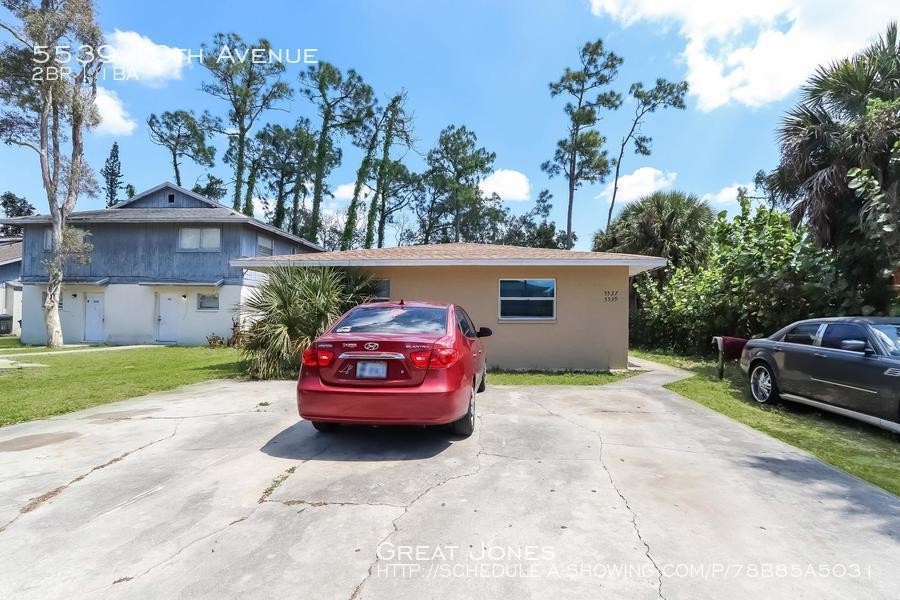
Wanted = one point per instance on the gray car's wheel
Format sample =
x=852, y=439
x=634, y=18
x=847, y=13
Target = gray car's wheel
x=465, y=426
x=483, y=385
x=762, y=384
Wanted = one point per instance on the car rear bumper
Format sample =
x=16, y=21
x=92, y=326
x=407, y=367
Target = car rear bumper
x=432, y=403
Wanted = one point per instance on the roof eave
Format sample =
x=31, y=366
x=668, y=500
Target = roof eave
x=635, y=266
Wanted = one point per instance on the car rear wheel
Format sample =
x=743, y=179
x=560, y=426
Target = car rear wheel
x=483, y=385
x=762, y=384
x=325, y=427
x=466, y=425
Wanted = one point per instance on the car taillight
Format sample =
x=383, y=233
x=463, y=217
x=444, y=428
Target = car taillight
x=313, y=357
x=442, y=358
x=421, y=358
x=309, y=357
x=436, y=358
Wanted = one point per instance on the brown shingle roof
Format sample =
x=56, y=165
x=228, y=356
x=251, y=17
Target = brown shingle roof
x=457, y=254
x=10, y=253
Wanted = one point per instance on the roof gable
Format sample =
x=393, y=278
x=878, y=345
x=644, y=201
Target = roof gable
x=154, y=198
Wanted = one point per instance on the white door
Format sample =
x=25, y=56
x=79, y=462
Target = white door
x=168, y=313
x=93, y=317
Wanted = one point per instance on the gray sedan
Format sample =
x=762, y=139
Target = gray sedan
x=845, y=365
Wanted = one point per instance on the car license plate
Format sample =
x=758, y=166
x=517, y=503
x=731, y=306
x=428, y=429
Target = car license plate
x=371, y=369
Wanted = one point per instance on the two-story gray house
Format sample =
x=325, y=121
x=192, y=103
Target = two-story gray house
x=159, y=270
x=10, y=285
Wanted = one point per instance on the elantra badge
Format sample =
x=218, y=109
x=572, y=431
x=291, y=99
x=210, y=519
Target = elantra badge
x=371, y=346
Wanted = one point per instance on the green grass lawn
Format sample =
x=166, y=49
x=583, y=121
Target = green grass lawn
x=75, y=381
x=552, y=378
x=10, y=346
x=862, y=450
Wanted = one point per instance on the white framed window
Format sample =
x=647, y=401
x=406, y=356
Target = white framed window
x=527, y=299
x=381, y=290
x=199, y=238
x=265, y=246
x=48, y=239
x=207, y=302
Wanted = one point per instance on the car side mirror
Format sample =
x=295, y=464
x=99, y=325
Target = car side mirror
x=853, y=345
x=484, y=332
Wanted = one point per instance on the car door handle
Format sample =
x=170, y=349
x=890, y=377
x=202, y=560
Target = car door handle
x=820, y=355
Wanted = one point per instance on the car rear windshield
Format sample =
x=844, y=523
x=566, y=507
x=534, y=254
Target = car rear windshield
x=891, y=337
x=394, y=319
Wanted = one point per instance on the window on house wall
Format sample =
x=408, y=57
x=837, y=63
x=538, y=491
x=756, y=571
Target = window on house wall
x=48, y=239
x=171, y=198
x=533, y=299
x=207, y=302
x=200, y=238
x=265, y=246
x=381, y=290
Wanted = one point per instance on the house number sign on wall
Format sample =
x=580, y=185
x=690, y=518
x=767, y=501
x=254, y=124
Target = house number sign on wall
x=610, y=295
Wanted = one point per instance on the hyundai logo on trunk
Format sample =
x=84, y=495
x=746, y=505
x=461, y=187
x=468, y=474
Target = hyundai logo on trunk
x=371, y=346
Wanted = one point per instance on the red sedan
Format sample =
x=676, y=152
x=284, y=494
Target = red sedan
x=395, y=363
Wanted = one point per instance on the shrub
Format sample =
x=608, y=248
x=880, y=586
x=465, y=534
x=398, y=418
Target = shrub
x=761, y=274
x=289, y=310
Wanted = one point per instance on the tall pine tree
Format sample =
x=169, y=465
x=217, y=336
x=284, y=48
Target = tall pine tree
x=112, y=176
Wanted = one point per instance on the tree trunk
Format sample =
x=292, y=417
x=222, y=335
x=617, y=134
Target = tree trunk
x=571, y=178
x=371, y=219
x=612, y=202
x=279, y=213
x=457, y=218
x=251, y=185
x=175, y=166
x=312, y=230
x=239, y=168
x=382, y=217
x=54, y=285
x=362, y=174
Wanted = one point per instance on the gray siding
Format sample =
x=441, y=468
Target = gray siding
x=160, y=199
x=138, y=252
x=282, y=247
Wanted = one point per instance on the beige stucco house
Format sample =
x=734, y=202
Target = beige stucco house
x=549, y=309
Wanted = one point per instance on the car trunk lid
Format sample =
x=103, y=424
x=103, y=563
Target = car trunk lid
x=374, y=359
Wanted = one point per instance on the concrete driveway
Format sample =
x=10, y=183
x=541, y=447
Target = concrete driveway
x=623, y=491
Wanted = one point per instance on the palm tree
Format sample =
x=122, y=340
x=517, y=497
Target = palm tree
x=289, y=310
x=831, y=131
x=673, y=225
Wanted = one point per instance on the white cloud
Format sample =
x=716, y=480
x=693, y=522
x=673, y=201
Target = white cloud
x=510, y=185
x=726, y=194
x=756, y=52
x=259, y=209
x=144, y=60
x=344, y=191
x=642, y=182
x=114, y=119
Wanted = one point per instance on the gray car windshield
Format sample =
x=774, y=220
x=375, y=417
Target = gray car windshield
x=889, y=334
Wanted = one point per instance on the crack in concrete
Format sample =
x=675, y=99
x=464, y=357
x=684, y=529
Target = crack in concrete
x=320, y=503
x=263, y=499
x=38, y=501
x=177, y=552
x=356, y=591
x=634, y=524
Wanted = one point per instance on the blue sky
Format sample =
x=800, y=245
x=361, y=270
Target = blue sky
x=486, y=65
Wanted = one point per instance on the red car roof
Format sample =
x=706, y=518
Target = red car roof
x=398, y=304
